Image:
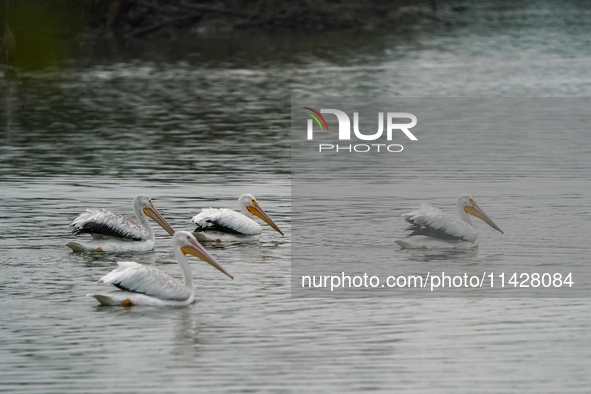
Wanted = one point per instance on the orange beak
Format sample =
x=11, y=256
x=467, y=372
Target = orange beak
x=258, y=211
x=197, y=250
x=153, y=213
x=476, y=211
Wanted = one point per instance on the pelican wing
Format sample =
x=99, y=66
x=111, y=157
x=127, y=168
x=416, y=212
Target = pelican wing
x=100, y=223
x=433, y=222
x=131, y=276
x=225, y=220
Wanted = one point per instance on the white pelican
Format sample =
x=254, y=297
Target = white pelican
x=225, y=224
x=112, y=232
x=144, y=285
x=436, y=229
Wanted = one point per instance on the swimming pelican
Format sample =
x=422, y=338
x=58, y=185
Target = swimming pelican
x=145, y=285
x=112, y=232
x=438, y=230
x=225, y=224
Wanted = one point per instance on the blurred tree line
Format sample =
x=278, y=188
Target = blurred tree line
x=141, y=17
x=34, y=31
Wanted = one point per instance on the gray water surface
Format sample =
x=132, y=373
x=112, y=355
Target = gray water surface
x=193, y=130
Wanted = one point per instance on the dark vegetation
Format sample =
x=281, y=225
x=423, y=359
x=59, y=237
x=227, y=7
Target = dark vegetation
x=34, y=31
x=139, y=18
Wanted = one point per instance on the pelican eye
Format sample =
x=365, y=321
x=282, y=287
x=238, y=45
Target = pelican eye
x=472, y=202
x=254, y=202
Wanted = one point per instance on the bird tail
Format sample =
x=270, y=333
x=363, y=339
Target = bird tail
x=76, y=247
x=403, y=244
x=105, y=300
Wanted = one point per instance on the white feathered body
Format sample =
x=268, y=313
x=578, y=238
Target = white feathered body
x=111, y=232
x=225, y=225
x=144, y=285
x=111, y=245
x=447, y=231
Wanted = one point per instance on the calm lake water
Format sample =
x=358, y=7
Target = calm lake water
x=197, y=125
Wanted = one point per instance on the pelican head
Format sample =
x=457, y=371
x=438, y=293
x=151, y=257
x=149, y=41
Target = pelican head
x=467, y=204
x=186, y=242
x=249, y=205
x=142, y=205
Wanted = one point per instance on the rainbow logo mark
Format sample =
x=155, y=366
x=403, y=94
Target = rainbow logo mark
x=315, y=118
